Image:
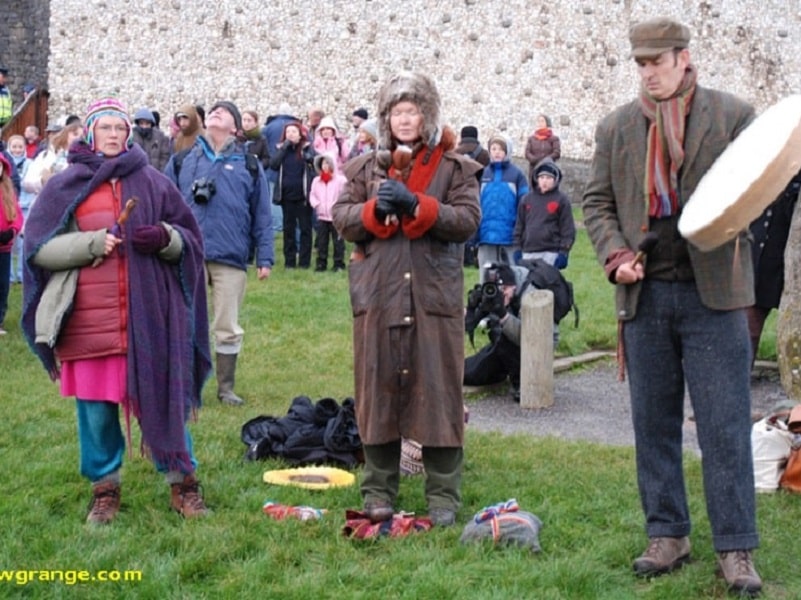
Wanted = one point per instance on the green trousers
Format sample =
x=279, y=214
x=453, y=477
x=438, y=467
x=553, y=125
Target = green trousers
x=443, y=474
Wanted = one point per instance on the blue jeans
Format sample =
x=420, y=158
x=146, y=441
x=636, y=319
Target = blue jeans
x=676, y=339
x=101, y=440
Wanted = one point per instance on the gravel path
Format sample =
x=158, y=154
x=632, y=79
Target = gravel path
x=590, y=404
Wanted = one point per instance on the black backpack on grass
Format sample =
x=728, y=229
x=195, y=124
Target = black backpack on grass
x=546, y=277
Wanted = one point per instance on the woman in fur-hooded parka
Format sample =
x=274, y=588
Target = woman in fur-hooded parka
x=406, y=288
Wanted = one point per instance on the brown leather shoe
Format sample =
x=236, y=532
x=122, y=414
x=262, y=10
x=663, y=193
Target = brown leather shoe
x=378, y=510
x=105, y=503
x=737, y=568
x=186, y=498
x=663, y=555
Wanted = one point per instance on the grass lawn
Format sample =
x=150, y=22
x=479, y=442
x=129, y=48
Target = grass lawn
x=298, y=342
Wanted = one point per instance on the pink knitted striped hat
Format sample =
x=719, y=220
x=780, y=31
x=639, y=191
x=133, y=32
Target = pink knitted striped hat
x=105, y=107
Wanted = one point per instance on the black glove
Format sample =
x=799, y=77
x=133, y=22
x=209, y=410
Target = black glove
x=6, y=235
x=404, y=201
x=288, y=146
x=474, y=297
x=383, y=209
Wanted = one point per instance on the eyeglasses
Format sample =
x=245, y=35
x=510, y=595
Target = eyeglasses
x=114, y=128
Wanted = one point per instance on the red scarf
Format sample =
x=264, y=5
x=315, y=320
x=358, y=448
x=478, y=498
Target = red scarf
x=424, y=166
x=543, y=133
x=326, y=176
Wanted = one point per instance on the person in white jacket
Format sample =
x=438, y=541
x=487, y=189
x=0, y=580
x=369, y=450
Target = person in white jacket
x=49, y=161
x=325, y=190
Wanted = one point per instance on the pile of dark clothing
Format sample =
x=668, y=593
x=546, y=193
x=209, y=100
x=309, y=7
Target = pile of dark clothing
x=310, y=434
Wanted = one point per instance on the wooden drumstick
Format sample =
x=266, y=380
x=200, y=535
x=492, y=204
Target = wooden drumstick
x=644, y=247
x=116, y=229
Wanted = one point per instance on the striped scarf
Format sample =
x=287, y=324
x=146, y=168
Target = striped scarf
x=666, y=145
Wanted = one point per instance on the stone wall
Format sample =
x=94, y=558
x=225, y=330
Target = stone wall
x=498, y=63
x=25, y=43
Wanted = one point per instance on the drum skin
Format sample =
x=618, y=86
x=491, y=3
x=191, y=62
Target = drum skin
x=746, y=177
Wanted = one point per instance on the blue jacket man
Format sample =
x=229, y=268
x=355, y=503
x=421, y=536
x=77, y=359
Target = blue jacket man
x=230, y=199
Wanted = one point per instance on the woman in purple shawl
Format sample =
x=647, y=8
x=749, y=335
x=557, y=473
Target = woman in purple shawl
x=115, y=307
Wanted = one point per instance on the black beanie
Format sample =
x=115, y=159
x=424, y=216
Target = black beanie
x=505, y=275
x=549, y=168
x=361, y=112
x=230, y=108
x=468, y=131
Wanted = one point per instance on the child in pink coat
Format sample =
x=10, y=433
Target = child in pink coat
x=325, y=190
x=328, y=140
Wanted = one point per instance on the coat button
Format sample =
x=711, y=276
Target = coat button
x=407, y=319
x=407, y=275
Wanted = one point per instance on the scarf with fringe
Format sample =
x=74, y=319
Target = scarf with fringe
x=665, y=149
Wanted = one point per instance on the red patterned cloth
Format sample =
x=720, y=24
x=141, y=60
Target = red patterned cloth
x=358, y=526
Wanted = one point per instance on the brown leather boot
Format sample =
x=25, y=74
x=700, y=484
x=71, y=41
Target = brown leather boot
x=737, y=568
x=186, y=498
x=105, y=503
x=663, y=555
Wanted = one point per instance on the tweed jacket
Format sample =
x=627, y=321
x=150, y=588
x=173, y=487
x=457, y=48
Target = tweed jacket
x=616, y=213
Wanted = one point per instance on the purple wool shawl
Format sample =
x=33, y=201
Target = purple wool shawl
x=168, y=333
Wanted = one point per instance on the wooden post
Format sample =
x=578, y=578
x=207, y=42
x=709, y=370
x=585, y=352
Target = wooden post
x=536, y=349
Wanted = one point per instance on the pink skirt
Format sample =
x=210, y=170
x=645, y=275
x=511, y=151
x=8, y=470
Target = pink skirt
x=103, y=378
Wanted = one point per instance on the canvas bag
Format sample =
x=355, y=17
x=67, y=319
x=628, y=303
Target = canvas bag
x=771, y=443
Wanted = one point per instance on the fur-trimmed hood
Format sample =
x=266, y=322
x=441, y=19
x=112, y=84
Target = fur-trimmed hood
x=410, y=87
x=330, y=159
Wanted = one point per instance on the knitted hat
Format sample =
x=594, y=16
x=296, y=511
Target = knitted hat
x=105, y=107
x=370, y=126
x=505, y=275
x=468, y=131
x=231, y=109
x=361, y=112
x=547, y=167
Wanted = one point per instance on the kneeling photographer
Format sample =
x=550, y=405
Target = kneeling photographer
x=496, y=305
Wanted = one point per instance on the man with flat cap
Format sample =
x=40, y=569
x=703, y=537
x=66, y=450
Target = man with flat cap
x=681, y=310
x=228, y=194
